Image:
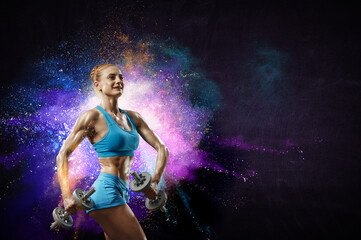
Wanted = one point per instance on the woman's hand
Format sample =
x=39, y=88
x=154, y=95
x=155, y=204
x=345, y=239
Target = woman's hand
x=154, y=185
x=70, y=205
x=152, y=191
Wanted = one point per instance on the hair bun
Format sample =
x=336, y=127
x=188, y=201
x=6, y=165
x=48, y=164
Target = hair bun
x=92, y=73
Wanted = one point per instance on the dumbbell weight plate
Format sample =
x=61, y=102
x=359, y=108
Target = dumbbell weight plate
x=146, y=178
x=58, y=215
x=153, y=205
x=87, y=203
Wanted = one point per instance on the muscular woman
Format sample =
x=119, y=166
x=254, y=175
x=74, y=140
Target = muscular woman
x=114, y=134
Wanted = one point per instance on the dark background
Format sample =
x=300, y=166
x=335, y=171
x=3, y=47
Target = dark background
x=316, y=198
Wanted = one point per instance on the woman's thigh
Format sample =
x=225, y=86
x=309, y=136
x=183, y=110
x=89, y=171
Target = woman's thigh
x=119, y=223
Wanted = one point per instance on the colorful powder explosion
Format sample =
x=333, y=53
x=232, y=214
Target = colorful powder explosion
x=162, y=82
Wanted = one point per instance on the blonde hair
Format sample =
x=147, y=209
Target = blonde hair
x=96, y=73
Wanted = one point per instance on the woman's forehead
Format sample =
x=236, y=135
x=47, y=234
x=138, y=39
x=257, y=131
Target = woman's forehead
x=112, y=69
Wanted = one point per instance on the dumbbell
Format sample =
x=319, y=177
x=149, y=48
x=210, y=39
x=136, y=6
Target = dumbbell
x=62, y=218
x=141, y=183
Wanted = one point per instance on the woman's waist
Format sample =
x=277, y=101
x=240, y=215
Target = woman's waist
x=111, y=177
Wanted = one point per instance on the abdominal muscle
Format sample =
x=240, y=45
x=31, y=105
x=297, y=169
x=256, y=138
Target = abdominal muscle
x=119, y=166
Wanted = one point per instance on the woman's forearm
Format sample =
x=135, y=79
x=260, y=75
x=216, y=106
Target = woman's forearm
x=162, y=159
x=63, y=175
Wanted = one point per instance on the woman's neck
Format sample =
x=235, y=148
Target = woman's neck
x=110, y=105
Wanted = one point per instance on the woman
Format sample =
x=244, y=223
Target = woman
x=114, y=135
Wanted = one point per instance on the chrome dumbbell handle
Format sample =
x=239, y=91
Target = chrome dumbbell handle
x=53, y=225
x=136, y=177
x=89, y=193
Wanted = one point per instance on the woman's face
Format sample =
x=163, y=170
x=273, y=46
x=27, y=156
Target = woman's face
x=111, y=82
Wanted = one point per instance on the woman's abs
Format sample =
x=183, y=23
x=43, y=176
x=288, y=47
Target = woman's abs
x=118, y=166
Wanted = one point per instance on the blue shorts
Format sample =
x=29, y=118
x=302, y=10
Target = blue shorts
x=110, y=191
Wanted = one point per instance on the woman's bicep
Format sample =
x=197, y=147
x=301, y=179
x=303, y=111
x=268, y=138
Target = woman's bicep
x=77, y=135
x=146, y=133
x=72, y=142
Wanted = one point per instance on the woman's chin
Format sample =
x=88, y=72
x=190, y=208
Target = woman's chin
x=114, y=94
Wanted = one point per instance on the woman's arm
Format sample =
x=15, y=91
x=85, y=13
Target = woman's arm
x=79, y=132
x=152, y=139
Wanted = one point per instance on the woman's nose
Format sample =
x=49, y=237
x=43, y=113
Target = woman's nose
x=120, y=83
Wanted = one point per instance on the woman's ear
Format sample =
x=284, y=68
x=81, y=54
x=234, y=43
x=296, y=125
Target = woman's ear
x=98, y=85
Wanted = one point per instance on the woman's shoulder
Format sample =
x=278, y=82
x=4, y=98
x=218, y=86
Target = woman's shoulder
x=92, y=113
x=89, y=117
x=133, y=114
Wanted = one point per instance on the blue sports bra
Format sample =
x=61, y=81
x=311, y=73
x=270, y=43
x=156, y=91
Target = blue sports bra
x=117, y=141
